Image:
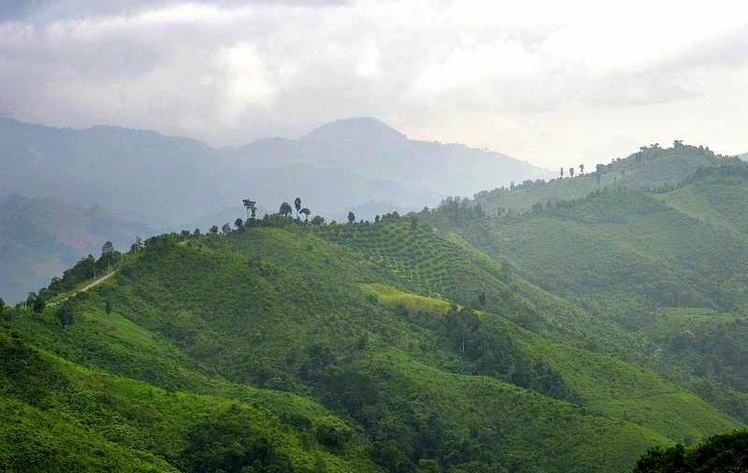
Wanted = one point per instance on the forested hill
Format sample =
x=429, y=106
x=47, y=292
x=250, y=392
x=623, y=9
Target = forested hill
x=667, y=265
x=651, y=167
x=576, y=336
x=284, y=346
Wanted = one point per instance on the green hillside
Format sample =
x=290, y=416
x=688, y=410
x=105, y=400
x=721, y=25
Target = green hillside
x=668, y=266
x=290, y=347
x=651, y=167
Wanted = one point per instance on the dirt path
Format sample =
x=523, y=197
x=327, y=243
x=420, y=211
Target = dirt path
x=86, y=288
x=98, y=281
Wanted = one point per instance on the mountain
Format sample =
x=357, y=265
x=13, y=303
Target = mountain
x=282, y=346
x=370, y=148
x=40, y=238
x=167, y=182
x=172, y=183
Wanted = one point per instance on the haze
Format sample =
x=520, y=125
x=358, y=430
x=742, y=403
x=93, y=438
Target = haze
x=551, y=83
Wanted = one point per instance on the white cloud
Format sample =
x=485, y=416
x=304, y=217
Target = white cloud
x=521, y=77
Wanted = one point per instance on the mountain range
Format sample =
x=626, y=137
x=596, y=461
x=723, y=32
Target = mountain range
x=166, y=182
x=116, y=175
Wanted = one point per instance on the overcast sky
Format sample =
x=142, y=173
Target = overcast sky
x=553, y=83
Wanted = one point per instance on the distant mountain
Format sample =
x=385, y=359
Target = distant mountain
x=172, y=183
x=40, y=238
x=139, y=175
x=372, y=149
x=169, y=181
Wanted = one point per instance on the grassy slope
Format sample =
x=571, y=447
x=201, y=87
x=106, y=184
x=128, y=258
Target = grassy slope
x=668, y=266
x=649, y=168
x=59, y=416
x=291, y=310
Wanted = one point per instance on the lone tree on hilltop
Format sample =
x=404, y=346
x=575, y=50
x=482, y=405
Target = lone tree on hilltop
x=351, y=217
x=251, y=207
x=285, y=209
x=306, y=213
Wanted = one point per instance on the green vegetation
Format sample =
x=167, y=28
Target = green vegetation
x=720, y=453
x=569, y=338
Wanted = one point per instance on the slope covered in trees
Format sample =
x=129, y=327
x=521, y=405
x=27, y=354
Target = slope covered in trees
x=572, y=337
x=283, y=346
x=666, y=265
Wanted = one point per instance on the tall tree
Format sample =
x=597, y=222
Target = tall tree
x=351, y=217
x=107, y=251
x=581, y=169
x=562, y=172
x=285, y=209
x=571, y=172
x=306, y=213
x=297, y=205
x=251, y=207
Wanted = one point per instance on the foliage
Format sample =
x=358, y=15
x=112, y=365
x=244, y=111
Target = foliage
x=410, y=344
x=717, y=454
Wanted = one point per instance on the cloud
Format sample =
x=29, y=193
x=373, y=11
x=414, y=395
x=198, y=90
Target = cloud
x=233, y=71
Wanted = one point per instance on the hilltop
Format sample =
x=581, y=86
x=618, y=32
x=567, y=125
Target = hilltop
x=651, y=167
x=40, y=238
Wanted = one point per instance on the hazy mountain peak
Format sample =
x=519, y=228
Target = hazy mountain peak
x=366, y=129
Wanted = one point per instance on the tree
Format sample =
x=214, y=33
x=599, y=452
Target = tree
x=106, y=252
x=239, y=224
x=562, y=172
x=36, y=302
x=318, y=221
x=2, y=306
x=251, y=207
x=138, y=245
x=92, y=261
x=571, y=172
x=65, y=314
x=297, y=206
x=214, y=229
x=306, y=213
x=351, y=217
x=581, y=169
x=226, y=228
x=285, y=209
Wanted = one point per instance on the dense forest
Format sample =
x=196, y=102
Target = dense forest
x=594, y=323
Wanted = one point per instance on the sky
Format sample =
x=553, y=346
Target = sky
x=553, y=83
